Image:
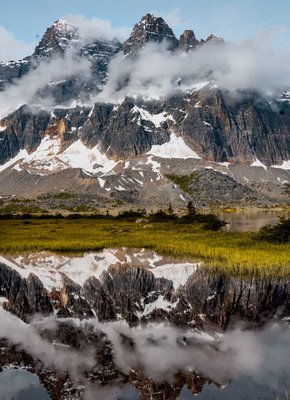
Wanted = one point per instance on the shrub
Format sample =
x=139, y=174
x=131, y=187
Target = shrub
x=278, y=233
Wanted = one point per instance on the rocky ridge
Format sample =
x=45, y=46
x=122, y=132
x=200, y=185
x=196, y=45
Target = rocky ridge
x=203, y=123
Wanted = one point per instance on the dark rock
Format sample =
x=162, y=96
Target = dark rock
x=150, y=29
x=188, y=41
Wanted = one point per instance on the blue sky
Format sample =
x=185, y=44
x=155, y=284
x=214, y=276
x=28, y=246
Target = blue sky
x=26, y=20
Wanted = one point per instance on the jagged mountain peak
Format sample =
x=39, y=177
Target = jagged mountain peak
x=187, y=40
x=214, y=38
x=149, y=29
x=57, y=38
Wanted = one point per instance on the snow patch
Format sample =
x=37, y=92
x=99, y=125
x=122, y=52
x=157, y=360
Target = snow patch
x=175, y=148
x=49, y=158
x=20, y=156
x=207, y=124
x=91, y=160
x=258, y=163
x=156, y=119
x=284, y=165
x=155, y=167
x=101, y=182
x=50, y=269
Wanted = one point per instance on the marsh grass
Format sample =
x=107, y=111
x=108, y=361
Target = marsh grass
x=236, y=253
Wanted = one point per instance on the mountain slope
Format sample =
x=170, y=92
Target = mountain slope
x=125, y=149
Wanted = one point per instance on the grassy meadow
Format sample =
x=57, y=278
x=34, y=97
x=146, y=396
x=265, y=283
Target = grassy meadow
x=236, y=253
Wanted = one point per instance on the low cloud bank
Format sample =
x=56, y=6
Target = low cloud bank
x=25, y=90
x=90, y=29
x=255, y=64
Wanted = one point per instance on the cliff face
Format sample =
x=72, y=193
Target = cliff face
x=237, y=130
x=199, y=123
x=216, y=127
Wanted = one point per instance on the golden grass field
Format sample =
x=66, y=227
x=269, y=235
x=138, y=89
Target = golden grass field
x=236, y=253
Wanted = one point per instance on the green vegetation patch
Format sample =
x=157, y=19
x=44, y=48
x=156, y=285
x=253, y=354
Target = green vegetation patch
x=184, y=181
x=278, y=233
x=58, y=196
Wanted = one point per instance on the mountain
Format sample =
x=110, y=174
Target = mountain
x=61, y=39
x=150, y=29
x=70, y=137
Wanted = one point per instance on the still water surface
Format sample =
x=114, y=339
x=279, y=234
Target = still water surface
x=250, y=220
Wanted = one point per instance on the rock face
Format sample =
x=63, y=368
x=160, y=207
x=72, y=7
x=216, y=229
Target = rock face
x=56, y=40
x=188, y=41
x=214, y=125
x=60, y=39
x=238, y=131
x=150, y=29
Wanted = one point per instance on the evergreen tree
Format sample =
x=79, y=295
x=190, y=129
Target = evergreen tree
x=191, y=211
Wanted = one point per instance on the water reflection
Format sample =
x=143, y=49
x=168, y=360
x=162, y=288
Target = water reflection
x=163, y=323
x=18, y=384
x=243, y=388
x=251, y=220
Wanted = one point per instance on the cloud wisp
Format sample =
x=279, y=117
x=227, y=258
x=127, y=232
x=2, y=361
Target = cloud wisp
x=25, y=90
x=91, y=29
x=160, y=351
x=255, y=64
x=12, y=48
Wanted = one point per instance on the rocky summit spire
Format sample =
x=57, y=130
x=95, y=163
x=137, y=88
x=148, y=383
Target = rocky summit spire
x=188, y=41
x=214, y=38
x=56, y=39
x=150, y=29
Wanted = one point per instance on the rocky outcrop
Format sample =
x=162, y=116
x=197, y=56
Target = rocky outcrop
x=237, y=130
x=188, y=41
x=56, y=39
x=121, y=132
x=150, y=29
x=217, y=127
x=22, y=129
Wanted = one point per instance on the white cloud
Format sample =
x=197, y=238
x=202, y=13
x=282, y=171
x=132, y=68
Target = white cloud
x=96, y=28
x=12, y=48
x=25, y=90
x=254, y=64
